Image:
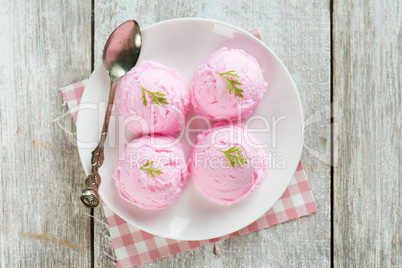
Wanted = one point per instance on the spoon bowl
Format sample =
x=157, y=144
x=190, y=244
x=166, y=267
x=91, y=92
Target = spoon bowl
x=122, y=49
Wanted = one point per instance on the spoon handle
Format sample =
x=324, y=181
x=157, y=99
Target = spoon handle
x=89, y=196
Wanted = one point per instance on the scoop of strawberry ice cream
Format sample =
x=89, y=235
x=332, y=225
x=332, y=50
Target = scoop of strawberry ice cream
x=210, y=94
x=145, y=115
x=151, y=172
x=211, y=172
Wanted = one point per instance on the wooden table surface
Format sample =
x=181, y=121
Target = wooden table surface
x=345, y=57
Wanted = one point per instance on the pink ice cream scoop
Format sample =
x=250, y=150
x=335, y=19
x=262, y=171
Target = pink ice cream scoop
x=151, y=172
x=210, y=88
x=215, y=175
x=152, y=99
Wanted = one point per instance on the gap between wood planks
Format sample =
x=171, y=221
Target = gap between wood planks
x=92, y=222
x=331, y=89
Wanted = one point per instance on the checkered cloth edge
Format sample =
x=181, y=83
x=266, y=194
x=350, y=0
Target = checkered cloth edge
x=134, y=246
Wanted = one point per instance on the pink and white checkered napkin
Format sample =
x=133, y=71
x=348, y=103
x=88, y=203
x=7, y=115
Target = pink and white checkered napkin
x=134, y=246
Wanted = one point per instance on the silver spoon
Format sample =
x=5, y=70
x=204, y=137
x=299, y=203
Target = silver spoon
x=120, y=54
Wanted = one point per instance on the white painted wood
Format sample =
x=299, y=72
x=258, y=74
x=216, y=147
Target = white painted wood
x=368, y=145
x=44, y=45
x=299, y=32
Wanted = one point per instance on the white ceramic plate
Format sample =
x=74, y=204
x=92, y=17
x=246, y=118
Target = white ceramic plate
x=183, y=44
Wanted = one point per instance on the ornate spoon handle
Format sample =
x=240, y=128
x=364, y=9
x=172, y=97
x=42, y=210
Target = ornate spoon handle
x=89, y=196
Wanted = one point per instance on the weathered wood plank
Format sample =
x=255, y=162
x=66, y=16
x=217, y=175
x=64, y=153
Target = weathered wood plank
x=299, y=32
x=368, y=152
x=43, y=45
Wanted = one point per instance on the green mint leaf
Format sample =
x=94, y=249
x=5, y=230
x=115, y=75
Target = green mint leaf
x=231, y=83
x=234, y=157
x=148, y=167
x=158, y=98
